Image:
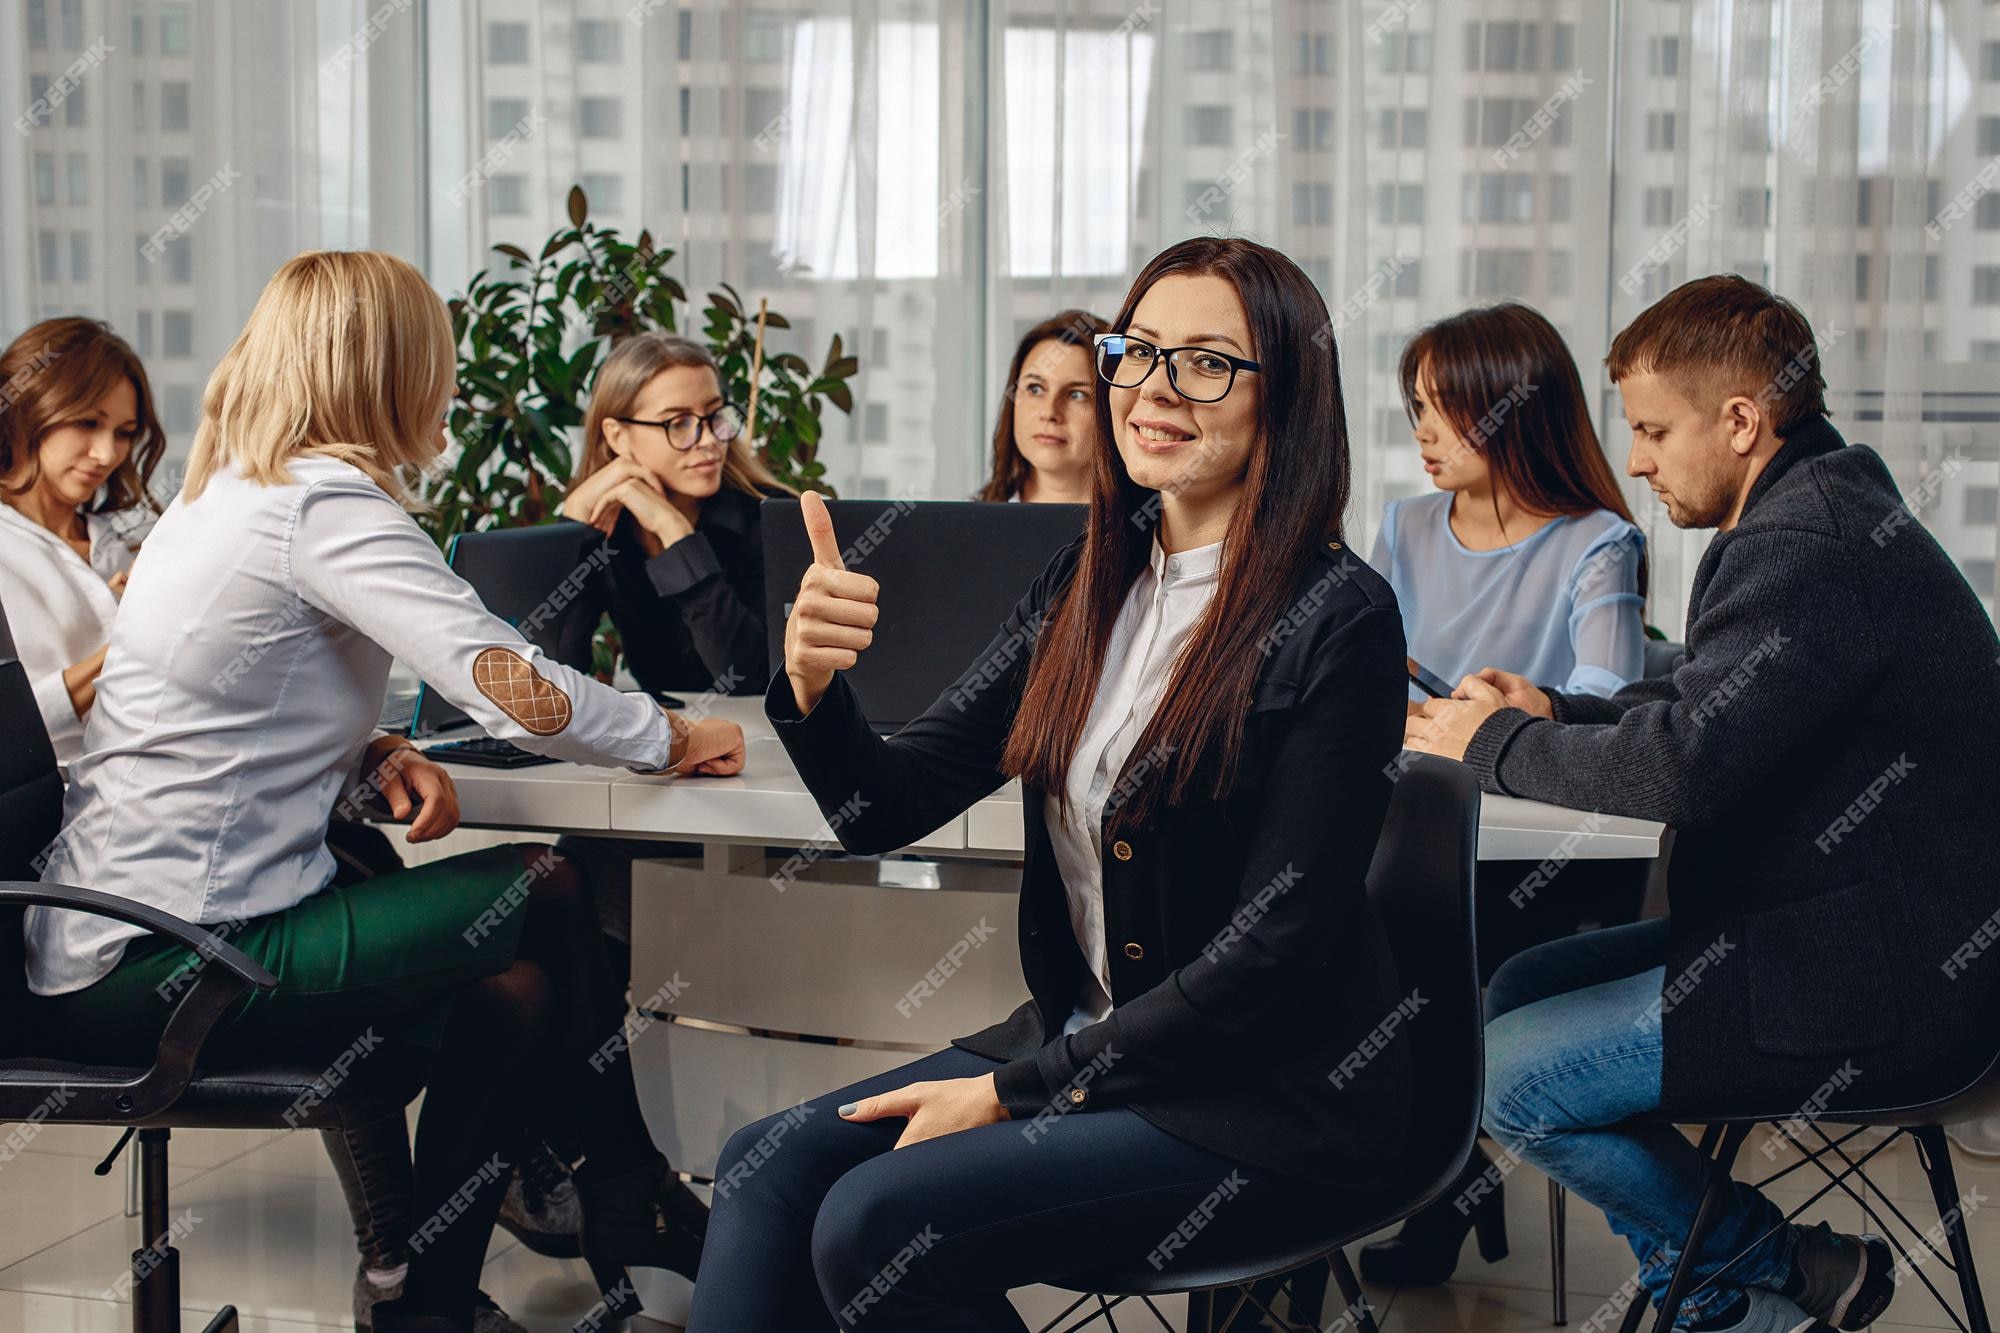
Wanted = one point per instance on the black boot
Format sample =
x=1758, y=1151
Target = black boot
x=645, y=1218
x=1425, y=1251
x=395, y=1317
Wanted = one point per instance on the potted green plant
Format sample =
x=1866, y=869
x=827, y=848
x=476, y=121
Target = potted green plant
x=531, y=332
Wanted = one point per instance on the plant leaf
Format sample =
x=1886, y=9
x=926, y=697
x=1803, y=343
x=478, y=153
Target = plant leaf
x=579, y=206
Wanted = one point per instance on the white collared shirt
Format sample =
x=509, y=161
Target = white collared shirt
x=1159, y=614
x=247, y=668
x=59, y=608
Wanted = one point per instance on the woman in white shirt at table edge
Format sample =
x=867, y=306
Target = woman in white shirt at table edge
x=237, y=707
x=79, y=440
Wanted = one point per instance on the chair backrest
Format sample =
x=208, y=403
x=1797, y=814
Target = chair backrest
x=1421, y=886
x=31, y=795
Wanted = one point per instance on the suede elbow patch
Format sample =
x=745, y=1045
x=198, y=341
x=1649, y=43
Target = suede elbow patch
x=515, y=688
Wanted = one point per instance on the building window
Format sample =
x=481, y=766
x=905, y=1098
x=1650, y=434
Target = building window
x=1312, y=130
x=45, y=179
x=506, y=43
x=596, y=41
x=141, y=183
x=1312, y=204
x=177, y=333
x=1986, y=284
x=600, y=117
x=38, y=25
x=1405, y=127
x=1498, y=197
x=177, y=406
x=766, y=37
x=1663, y=57
x=1982, y=506
x=1399, y=203
x=174, y=30
x=79, y=256
x=1408, y=284
x=1214, y=50
x=760, y=193
x=72, y=25
x=507, y=196
x=1987, y=214
x=1989, y=139
x=74, y=113
x=1406, y=52
x=174, y=106
x=1211, y=126
x=49, y=245
x=1496, y=272
x=1661, y=129
x=605, y=192
x=79, y=179
x=1979, y=573
x=145, y=333
x=1313, y=54
x=1989, y=61
x=1507, y=46
x=173, y=181
x=142, y=267
x=180, y=260
x=503, y=114
x=138, y=107
x=138, y=43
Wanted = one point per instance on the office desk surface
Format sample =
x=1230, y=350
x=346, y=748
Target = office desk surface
x=768, y=804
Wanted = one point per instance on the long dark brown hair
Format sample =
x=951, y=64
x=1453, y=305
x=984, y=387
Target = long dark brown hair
x=58, y=370
x=1072, y=328
x=1293, y=501
x=1502, y=377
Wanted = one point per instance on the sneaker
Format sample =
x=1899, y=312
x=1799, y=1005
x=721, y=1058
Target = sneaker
x=1848, y=1281
x=487, y=1316
x=1763, y=1312
x=541, y=1208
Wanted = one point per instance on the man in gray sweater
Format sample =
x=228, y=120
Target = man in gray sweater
x=1827, y=753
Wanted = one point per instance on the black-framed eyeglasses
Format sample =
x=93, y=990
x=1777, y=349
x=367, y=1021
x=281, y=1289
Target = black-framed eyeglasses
x=724, y=424
x=1198, y=374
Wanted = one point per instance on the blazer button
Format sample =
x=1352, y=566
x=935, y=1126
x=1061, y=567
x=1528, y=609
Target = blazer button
x=1122, y=850
x=1076, y=1096
x=1135, y=952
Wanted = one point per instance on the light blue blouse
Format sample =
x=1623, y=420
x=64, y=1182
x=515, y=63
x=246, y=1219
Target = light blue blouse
x=1561, y=606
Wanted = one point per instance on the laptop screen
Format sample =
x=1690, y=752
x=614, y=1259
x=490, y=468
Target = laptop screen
x=950, y=570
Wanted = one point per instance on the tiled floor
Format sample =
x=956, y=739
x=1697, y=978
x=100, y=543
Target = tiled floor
x=265, y=1228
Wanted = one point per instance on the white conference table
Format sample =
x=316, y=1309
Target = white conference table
x=762, y=976
x=768, y=805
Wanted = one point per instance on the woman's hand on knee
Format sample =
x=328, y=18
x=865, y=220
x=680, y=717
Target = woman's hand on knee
x=934, y=1109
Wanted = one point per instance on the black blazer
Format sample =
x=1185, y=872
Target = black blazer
x=1246, y=961
x=1827, y=752
x=692, y=617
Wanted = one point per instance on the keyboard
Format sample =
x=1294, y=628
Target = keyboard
x=486, y=750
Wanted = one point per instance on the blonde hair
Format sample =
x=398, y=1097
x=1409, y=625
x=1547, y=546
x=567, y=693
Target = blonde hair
x=625, y=375
x=349, y=355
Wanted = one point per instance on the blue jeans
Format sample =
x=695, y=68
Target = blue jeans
x=1573, y=1048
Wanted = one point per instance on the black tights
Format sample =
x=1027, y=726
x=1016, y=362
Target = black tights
x=517, y=1053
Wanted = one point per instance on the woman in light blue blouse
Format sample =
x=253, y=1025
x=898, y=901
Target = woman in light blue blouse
x=1526, y=557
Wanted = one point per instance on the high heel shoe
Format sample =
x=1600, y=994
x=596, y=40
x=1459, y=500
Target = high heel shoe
x=1425, y=1252
x=645, y=1218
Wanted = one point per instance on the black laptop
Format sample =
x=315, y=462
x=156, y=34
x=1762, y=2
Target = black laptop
x=950, y=571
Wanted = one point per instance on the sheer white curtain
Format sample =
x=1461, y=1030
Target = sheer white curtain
x=168, y=156
x=1420, y=156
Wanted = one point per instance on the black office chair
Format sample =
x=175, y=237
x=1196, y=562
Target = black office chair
x=1924, y=1123
x=1661, y=654
x=1421, y=884
x=41, y=1083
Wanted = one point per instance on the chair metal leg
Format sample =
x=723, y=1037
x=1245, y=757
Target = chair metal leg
x=1935, y=1150
x=1558, y=1251
x=1719, y=1145
x=156, y=1264
x=1307, y=1287
x=1350, y=1291
x=224, y=1321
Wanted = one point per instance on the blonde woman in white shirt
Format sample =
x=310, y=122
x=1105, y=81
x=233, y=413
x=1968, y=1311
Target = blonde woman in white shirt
x=78, y=443
x=237, y=709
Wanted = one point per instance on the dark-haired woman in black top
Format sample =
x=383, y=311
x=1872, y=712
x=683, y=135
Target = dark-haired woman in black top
x=1162, y=1065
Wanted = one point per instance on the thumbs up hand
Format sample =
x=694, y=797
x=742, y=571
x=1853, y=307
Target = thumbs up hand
x=833, y=617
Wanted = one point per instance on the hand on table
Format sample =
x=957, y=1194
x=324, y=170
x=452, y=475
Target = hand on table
x=409, y=780
x=1446, y=726
x=714, y=748
x=934, y=1109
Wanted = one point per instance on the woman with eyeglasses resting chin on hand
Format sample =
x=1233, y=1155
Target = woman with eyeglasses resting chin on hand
x=670, y=477
x=1187, y=737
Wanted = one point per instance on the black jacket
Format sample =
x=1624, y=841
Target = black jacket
x=692, y=617
x=1829, y=752
x=1246, y=961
